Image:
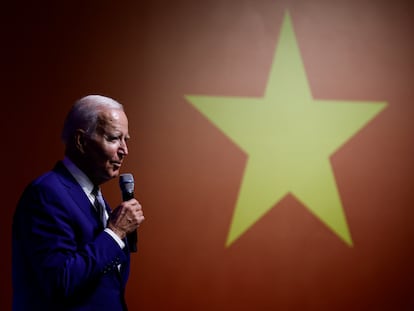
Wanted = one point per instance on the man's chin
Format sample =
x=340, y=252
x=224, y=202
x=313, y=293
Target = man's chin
x=109, y=176
x=114, y=174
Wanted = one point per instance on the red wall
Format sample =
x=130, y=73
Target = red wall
x=148, y=55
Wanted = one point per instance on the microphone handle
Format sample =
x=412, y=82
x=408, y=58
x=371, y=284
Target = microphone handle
x=132, y=238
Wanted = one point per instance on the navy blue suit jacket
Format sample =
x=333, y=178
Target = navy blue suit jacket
x=62, y=258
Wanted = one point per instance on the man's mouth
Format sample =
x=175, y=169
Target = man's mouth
x=116, y=165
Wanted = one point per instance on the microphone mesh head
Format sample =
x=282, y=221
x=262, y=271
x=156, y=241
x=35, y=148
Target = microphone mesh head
x=126, y=182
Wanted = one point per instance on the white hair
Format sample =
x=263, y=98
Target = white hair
x=84, y=115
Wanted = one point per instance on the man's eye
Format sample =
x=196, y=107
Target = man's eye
x=112, y=138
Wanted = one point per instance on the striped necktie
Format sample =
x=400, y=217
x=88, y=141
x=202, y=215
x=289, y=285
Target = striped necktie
x=99, y=205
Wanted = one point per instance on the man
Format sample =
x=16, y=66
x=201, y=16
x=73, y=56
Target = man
x=68, y=253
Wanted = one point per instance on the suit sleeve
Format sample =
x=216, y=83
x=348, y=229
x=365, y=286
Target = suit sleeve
x=67, y=253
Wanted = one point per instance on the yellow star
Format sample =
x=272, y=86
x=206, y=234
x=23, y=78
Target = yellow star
x=288, y=137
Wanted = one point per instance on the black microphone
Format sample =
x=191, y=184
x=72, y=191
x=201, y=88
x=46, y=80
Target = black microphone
x=126, y=183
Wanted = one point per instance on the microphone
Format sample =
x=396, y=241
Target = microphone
x=126, y=183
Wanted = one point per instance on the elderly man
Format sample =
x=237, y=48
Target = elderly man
x=70, y=250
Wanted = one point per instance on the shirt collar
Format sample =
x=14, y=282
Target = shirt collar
x=80, y=176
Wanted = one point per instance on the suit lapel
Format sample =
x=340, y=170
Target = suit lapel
x=76, y=192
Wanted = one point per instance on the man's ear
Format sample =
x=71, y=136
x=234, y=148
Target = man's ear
x=80, y=140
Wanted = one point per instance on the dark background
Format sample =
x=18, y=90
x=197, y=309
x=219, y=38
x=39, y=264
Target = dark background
x=148, y=55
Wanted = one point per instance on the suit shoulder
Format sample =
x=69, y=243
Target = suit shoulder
x=49, y=184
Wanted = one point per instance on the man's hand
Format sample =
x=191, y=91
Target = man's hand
x=126, y=218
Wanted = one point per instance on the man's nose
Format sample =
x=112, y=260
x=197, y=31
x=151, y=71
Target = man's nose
x=123, y=148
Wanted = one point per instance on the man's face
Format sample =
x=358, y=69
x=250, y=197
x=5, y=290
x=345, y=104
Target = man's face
x=107, y=148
